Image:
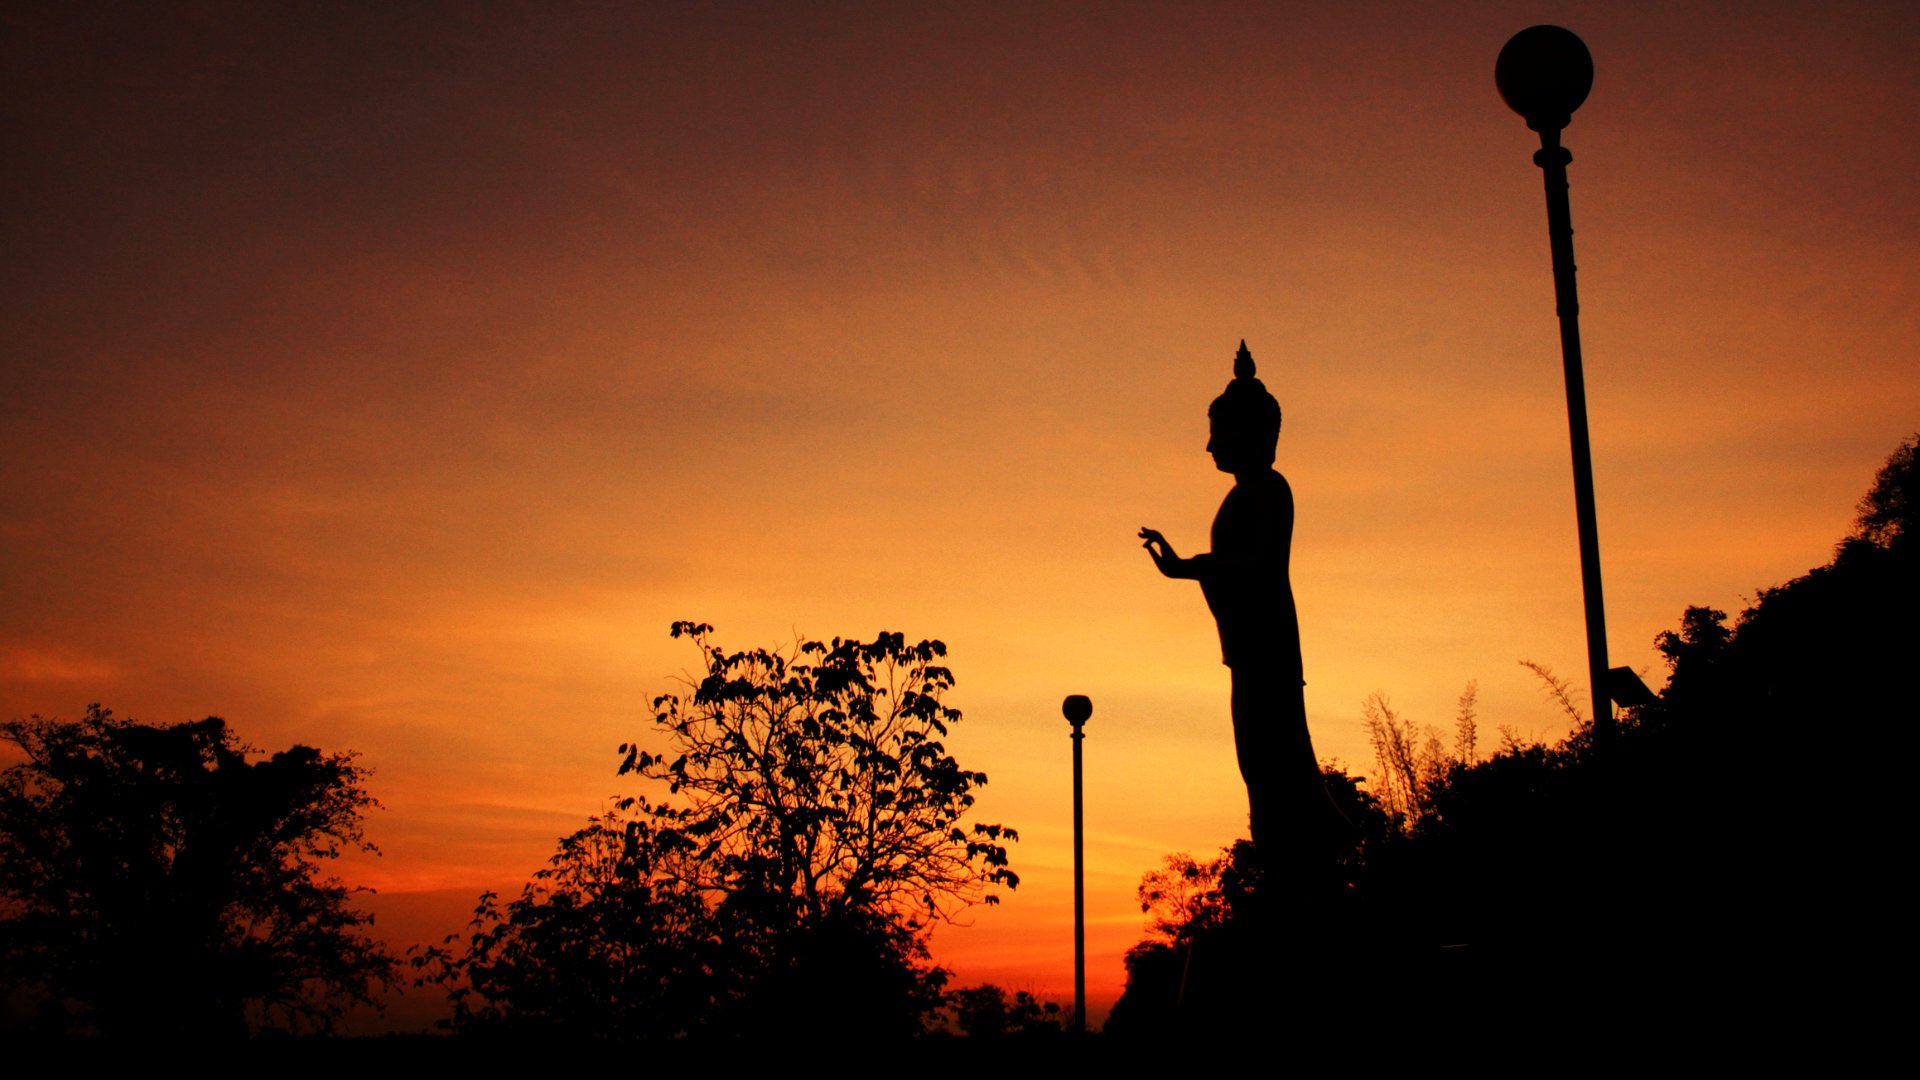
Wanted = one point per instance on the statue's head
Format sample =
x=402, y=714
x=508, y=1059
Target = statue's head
x=1245, y=421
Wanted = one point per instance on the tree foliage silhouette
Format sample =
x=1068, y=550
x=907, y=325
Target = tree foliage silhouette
x=986, y=1012
x=594, y=946
x=1184, y=898
x=153, y=880
x=803, y=834
x=819, y=779
x=1889, y=515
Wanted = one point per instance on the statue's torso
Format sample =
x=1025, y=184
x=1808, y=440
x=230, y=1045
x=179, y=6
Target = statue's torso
x=1246, y=578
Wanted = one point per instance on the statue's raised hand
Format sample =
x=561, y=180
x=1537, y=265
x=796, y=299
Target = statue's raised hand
x=1161, y=551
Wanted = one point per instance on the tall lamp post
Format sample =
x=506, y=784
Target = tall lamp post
x=1544, y=73
x=1076, y=709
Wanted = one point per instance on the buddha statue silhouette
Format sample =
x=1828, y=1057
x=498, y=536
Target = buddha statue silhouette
x=1246, y=583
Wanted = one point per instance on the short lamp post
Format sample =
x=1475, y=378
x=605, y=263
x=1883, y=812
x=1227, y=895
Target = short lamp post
x=1544, y=73
x=1076, y=709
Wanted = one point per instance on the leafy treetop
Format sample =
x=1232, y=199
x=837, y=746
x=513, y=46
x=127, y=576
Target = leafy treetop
x=818, y=776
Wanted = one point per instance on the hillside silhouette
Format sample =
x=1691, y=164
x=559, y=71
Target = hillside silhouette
x=1716, y=869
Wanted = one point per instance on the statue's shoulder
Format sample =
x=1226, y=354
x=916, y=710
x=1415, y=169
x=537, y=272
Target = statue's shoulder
x=1258, y=505
x=1272, y=487
x=1273, y=497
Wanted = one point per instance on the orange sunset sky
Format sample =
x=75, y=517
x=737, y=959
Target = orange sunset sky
x=388, y=377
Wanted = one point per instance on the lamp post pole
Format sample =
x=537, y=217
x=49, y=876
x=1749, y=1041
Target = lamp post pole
x=1544, y=74
x=1076, y=709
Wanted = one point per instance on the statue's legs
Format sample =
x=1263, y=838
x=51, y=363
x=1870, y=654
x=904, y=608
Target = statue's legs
x=1291, y=814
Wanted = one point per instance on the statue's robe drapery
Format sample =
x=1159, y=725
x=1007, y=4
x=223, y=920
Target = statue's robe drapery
x=1247, y=585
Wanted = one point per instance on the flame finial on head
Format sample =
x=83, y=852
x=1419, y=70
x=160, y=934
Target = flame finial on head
x=1243, y=362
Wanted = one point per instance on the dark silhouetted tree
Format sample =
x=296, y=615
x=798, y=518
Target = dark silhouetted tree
x=1184, y=899
x=594, y=946
x=1225, y=935
x=985, y=1012
x=1889, y=515
x=153, y=880
x=804, y=832
x=818, y=779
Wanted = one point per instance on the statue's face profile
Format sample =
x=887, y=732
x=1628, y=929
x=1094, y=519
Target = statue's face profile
x=1235, y=449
